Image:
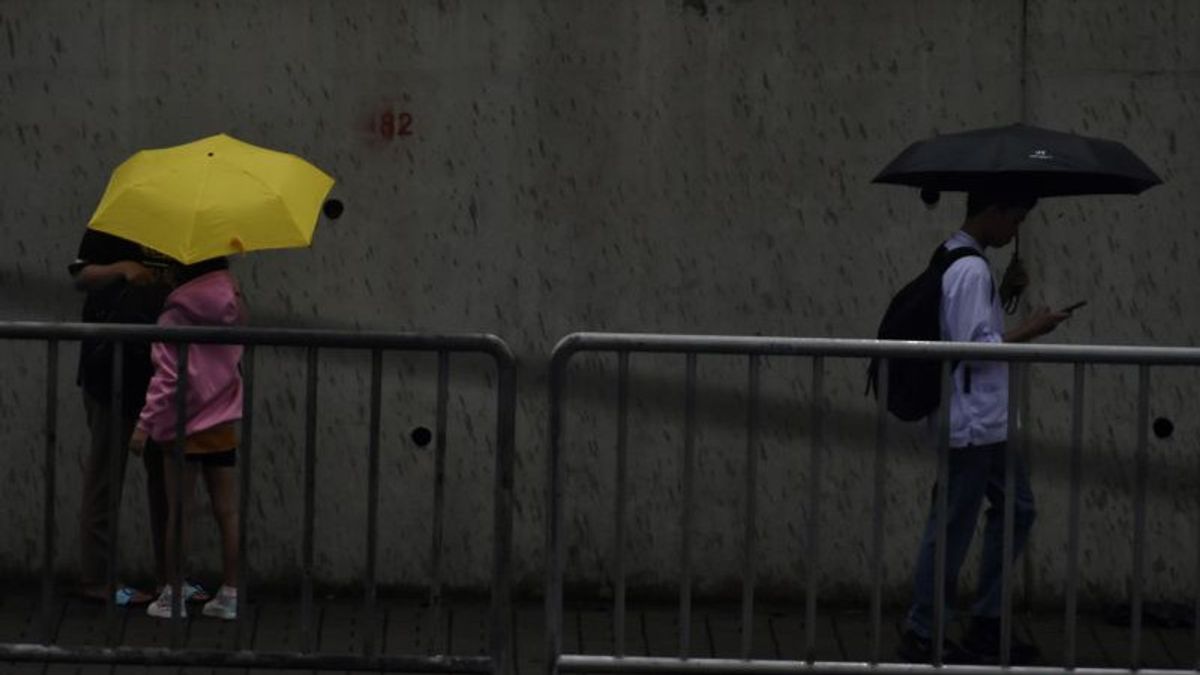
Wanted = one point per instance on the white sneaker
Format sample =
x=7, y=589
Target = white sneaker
x=161, y=607
x=223, y=605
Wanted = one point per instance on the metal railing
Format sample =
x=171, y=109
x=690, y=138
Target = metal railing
x=497, y=661
x=754, y=348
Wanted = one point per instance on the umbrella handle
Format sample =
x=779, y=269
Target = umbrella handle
x=1013, y=301
x=1010, y=305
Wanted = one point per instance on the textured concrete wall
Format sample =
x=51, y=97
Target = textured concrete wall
x=695, y=166
x=1129, y=71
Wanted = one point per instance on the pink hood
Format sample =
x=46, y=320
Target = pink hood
x=214, y=384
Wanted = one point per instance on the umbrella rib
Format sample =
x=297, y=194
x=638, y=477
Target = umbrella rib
x=191, y=234
x=275, y=195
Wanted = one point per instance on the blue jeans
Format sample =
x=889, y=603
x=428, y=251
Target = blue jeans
x=975, y=472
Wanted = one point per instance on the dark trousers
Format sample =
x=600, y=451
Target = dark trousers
x=975, y=472
x=103, y=479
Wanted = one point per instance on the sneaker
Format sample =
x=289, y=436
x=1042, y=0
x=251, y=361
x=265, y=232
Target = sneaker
x=194, y=592
x=982, y=641
x=124, y=596
x=916, y=649
x=224, y=605
x=161, y=607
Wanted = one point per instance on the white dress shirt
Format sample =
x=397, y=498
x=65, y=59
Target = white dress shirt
x=971, y=312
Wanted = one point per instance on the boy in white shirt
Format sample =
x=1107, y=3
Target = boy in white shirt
x=971, y=312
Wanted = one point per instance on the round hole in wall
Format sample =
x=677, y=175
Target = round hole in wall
x=1163, y=427
x=930, y=196
x=421, y=436
x=333, y=209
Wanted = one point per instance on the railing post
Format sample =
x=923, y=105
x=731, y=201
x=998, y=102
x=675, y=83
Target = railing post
x=178, y=451
x=941, y=508
x=369, y=590
x=1014, y=448
x=1069, y=652
x=813, y=539
x=48, y=525
x=554, y=517
x=116, y=476
x=436, y=615
x=619, y=504
x=751, y=505
x=1141, y=476
x=502, y=611
x=307, y=634
x=877, y=524
x=686, y=516
x=246, y=452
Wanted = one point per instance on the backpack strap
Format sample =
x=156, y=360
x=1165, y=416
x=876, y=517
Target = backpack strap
x=943, y=258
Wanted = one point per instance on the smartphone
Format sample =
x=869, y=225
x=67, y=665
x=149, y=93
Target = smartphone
x=1072, y=308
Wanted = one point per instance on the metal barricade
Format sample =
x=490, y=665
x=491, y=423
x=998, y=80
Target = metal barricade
x=498, y=660
x=754, y=348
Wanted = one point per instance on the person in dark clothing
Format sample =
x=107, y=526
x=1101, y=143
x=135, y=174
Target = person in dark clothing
x=123, y=285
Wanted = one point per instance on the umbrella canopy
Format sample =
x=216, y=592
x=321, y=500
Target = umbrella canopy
x=213, y=197
x=1042, y=161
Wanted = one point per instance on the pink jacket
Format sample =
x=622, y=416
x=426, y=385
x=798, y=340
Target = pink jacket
x=214, y=379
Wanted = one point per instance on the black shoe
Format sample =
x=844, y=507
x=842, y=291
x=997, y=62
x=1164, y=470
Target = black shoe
x=982, y=643
x=916, y=649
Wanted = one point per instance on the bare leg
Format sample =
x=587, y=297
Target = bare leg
x=223, y=492
x=176, y=511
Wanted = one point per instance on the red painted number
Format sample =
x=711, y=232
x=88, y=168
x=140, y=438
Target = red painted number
x=395, y=124
x=404, y=120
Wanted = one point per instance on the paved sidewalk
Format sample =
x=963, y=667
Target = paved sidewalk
x=406, y=627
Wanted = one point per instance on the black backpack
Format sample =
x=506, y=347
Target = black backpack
x=915, y=385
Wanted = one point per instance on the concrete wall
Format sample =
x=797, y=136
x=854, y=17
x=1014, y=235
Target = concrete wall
x=695, y=166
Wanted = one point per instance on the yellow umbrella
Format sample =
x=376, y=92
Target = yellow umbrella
x=213, y=197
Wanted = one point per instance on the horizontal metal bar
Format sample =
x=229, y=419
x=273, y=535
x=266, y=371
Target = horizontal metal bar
x=338, y=339
x=159, y=656
x=792, y=346
x=579, y=663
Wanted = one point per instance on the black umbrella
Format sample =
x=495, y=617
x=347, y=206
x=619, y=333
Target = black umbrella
x=1045, y=162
